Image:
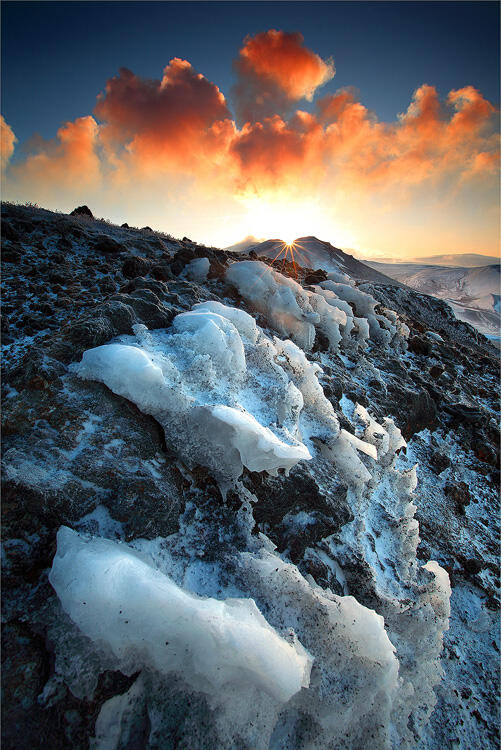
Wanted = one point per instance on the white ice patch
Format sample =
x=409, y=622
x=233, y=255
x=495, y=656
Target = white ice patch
x=284, y=302
x=197, y=269
x=219, y=389
x=118, y=599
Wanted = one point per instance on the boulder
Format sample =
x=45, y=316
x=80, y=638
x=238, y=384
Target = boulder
x=82, y=211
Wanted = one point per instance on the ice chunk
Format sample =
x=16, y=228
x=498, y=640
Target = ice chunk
x=118, y=599
x=216, y=336
x=259, y=448
x=284, y=302
x=197, y=269
x=243, y=322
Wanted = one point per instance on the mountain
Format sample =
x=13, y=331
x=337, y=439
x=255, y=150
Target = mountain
x=463, y=260
x=455, y=260
x=243, y=505
x=313, y=253
x=473, y=293
x=243, y=245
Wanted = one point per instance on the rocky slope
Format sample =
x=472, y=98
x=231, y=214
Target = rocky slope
x=271, y=460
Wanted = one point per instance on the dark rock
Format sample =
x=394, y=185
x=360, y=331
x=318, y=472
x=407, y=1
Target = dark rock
x=316, y=277
x=8, y=231
x=107, y=285
x=420, y=345
x=135, y=266
x=86, y=334
x=56, y=277
x=414, y=410
x=161, y=272
x=147, y=308
x=108, y=246
x=125, y=225
x=11, y=255
x=439, y=462
x=82, y=211
x=217, y=269
x=436, y=371
x=146, y=229
x=460, y=493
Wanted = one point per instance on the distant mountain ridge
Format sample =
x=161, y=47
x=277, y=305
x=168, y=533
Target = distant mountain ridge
x=310, y=252
x=452, y=260
x=473, y=293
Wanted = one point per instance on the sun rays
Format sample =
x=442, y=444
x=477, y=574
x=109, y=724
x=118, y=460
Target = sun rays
x=294, y=253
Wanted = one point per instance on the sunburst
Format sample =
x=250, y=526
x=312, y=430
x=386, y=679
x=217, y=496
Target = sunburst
x=294, y=252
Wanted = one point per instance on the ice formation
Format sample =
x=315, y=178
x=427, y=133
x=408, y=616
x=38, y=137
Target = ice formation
x=336, y=308
x=200, y=383
x=148, y=621
x=237, y=627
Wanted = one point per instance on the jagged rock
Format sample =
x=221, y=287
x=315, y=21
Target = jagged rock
x=439, y=462
x=108, y=245
x=8, y=232
x=460, y=494
x=82, y=211
x=135, y=266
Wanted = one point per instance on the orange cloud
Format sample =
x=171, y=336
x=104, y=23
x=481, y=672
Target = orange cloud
x=282, y=58
x=7, y=142
x=151, y=136
x=70, y=163
x=173, y=120
x=275, y=69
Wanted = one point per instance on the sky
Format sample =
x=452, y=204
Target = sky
x=372, y=125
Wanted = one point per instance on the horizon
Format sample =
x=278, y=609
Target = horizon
x=287, y=130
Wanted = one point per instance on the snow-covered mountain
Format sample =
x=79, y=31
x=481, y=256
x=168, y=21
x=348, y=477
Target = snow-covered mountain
x=245, y=503
x=310, y=252
x=474, y=293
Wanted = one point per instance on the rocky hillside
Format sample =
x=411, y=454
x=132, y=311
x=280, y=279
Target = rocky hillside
x=245, y=504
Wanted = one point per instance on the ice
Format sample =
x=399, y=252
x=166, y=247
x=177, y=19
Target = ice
x=259, y=448
x=197, y=269
x=284, y=302
x=146, y=620
x=215, y=384
x=216, y=336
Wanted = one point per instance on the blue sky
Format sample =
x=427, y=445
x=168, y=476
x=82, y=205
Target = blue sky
x=56, y=57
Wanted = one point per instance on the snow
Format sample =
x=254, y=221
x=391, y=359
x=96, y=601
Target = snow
x=145, y=619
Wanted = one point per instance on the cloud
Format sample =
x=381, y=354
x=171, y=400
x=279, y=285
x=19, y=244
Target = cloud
x=275, y=70
x=172, y=121
x=7, y=142
x=175, y=141
x=69, y=163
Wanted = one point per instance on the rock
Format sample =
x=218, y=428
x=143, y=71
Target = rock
x=161, y=272
x=439, y=462
x=124, y=225
x=146, y=229
x=108, y=246
x=8, y=231
x=135, y=266
x=436, y=371
x=420, y=345
x=82, y=211
x=315, y=278
x=460, y=493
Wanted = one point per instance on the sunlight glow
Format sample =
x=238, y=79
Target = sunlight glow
x=288, y=220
